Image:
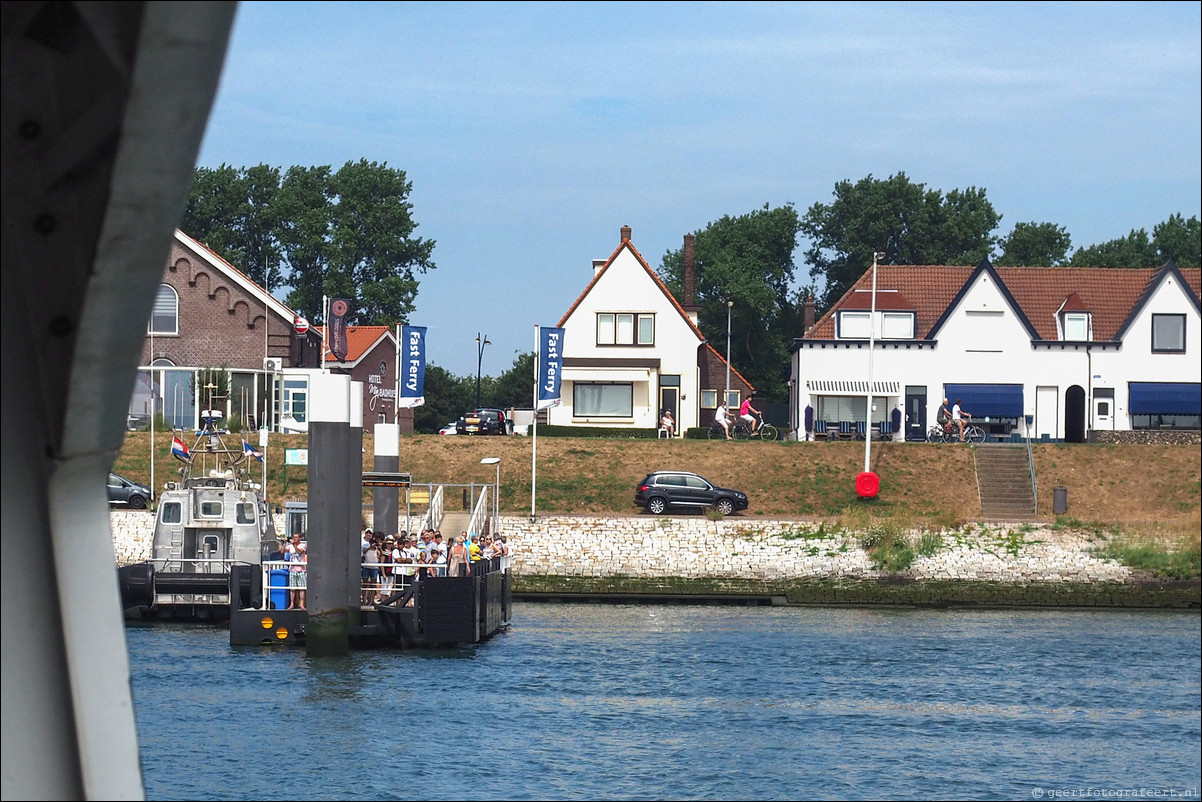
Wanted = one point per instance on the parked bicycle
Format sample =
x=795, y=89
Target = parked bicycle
x=741, y=430
x=950, y=433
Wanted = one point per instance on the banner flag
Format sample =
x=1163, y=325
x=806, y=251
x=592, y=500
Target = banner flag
x=338, y=311
x=179, y=449
x=413, y=367
x=251, y=451
x=550, y=367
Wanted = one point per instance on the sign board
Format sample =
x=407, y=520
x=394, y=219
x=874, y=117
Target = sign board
x=383, y=479
x=296, y=456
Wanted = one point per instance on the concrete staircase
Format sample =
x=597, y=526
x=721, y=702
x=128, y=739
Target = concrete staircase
x=1004, y=481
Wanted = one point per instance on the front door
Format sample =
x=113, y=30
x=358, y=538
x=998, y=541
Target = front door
x=1074, y=414
x=667, y=401
x=1047, y=412
x=1103, y=409
x=916, y=413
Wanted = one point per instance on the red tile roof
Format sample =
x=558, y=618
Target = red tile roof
x=1109, y=294
x=359, y=340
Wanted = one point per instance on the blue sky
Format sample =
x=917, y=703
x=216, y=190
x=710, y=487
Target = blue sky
x=533, y=131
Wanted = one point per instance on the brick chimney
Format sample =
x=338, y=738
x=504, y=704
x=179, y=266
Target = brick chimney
x=690, y=272
x=625, y=234
x=807, y=315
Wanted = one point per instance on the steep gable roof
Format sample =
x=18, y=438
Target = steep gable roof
x=627, y=245
x=1112, y=295
x=214, y=260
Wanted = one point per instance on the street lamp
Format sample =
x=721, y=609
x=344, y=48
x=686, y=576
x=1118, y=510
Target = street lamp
x=496, y=489
x=726, y=398
x=479, y=361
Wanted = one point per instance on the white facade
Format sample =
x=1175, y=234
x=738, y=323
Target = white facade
x=630, y=351
x=985, y=342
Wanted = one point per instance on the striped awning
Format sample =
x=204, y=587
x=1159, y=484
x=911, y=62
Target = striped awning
x=837, y=387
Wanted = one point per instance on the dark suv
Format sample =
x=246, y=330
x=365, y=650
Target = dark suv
x=664, y=489
x=124, y=491
x=483, y=421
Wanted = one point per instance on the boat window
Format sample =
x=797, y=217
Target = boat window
x=172, y=512
x=210, y=509
x=246, y=513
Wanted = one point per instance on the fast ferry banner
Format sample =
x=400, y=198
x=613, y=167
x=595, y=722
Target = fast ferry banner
x=413, y=367
x=550, y=367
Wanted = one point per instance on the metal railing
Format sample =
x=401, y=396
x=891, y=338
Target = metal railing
x=1031, y=467
x=480, y=513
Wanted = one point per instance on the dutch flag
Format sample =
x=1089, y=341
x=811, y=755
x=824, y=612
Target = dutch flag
x=179, y=449
x=251, y=451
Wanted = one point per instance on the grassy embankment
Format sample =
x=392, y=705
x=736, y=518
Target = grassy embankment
x=1143, y=502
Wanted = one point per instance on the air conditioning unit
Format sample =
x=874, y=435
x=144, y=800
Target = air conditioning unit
x=273, y=364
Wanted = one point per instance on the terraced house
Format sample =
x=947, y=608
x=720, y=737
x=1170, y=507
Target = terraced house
x=1062, y=353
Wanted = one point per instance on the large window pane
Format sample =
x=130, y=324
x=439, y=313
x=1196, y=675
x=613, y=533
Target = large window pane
x=603, y=400
x=625, y=331
x=897, y=326
x=646, y=329
x=853, y=325
x=605, y=329
x=1168, y=332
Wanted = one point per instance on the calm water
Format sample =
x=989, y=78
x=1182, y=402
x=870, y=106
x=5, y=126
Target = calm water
x=641, y=702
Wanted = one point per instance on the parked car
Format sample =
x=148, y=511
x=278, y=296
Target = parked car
x=130, y=493
x=664, y=489
x=483, y=421
x=450, y=428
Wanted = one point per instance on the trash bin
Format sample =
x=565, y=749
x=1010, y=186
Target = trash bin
x=1060, y=500
x=279, y=588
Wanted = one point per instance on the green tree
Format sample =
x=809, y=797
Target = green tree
x=1133, y=250
x=749, y=260
x=1179, y=240
x=907, y=222
x=447, y=397
x=232, y=210
x=1035, y=245
x=345, y=234
x=514, y=387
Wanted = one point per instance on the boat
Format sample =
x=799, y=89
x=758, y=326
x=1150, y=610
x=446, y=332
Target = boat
x=209, y=522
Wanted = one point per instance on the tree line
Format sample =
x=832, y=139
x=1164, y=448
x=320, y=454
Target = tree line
x=350, y=233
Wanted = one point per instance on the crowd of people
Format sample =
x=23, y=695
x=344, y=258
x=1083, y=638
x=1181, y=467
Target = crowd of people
x=388, y=560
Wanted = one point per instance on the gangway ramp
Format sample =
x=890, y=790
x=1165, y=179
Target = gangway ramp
x=454, y=523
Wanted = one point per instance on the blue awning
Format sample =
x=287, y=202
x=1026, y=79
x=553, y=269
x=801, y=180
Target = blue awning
x=1165, y=398
x=987, y=400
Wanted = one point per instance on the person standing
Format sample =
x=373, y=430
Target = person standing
x=457, y=565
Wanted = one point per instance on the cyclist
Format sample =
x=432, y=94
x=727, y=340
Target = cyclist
x=944, y=417
x=745, y=412
x=960, y=417
x=722, y=418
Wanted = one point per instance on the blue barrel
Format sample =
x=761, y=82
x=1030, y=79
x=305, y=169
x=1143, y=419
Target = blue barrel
x=279, y=588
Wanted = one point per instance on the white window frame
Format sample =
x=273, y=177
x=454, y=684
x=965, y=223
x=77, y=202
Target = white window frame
x=1074, y=323
x=897, y=326
x=851, y=324
x=609, y=392
x=166, y=306
x=709, y=399
x=626, y=328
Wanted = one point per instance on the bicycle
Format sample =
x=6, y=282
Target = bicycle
x=741, y=430
x=949, y=433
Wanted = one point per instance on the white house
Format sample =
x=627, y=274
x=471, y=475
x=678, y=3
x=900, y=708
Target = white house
x=1065, y=351
x=631, y=350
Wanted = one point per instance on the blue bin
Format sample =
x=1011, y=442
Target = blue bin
x=279, y=588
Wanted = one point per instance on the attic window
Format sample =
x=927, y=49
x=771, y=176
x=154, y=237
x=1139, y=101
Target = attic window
x=1168, y=334
x=890, y=325
x=625, y=328
x=1075, y=325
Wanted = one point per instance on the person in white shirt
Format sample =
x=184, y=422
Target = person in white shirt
x=722, y=418
x=960, y=417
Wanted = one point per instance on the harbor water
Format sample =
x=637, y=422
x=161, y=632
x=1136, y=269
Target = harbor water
x=601, y=701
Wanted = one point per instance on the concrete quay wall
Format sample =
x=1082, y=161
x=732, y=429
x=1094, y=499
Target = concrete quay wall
x=796, y=562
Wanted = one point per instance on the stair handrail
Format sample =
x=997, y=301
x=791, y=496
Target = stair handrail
x=480, y=514
x=1031, y=466
x=434, y=510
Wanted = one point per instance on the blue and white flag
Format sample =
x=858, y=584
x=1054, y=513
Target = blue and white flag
x=413, y=367
x=550, y=367
x=251, y=451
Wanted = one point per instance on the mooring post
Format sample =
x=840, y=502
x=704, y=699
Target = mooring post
x=327, y=630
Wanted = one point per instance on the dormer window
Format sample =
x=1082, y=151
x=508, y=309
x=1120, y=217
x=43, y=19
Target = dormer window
x=1075, y=326
x=889, y=325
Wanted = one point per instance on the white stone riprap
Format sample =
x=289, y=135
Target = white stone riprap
x=692, y=547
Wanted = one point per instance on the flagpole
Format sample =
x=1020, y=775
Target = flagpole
x=534, y=426
x=396, y=398
x=150, y=362
x=325, y=328
x=266, y=394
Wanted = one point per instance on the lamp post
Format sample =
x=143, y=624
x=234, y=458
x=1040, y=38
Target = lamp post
x=868, y=483
x=496, y=489
x=726, y=398
x=480, y=343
